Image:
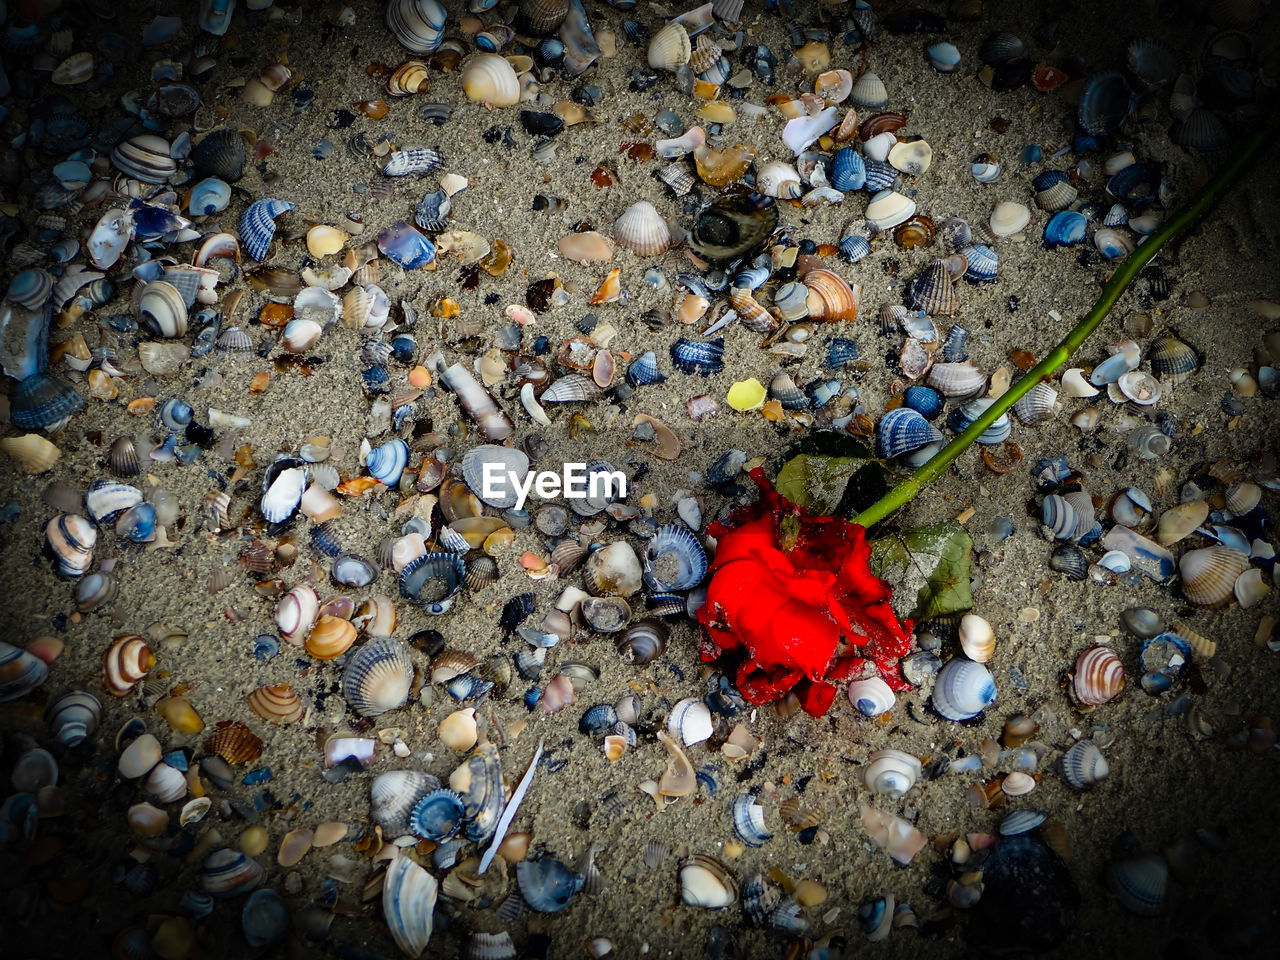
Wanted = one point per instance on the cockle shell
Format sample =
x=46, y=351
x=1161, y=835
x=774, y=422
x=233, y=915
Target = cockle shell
x=963, y=689
x=1209, y=574
x=1098, y=677
x=277, y=703
x=330, y=638
x=642, y=230
x=489, y=78
x=1083, y=765
x=125, y=664
x=377, y=677
x=669, y=48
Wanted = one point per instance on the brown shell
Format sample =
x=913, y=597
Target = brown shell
x=915, y=231
x=277, y=703
x=1098, y=677
x=408, y=78
x=705, y=55
x=933, y=291
x=721, y=167
x=330, y=638
x=126, y=662
x=234, y=742
x=830, y=297
x=879, y=123
x=452, y=663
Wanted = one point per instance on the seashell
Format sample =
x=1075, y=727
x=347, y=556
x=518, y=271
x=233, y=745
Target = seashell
x=642, y=230
x=1209, y=575
x=32, y=451
x=963, y=689
x=605, y=614
x=71, y=719
x=985, y=168
x=1113, y=244
x=179, y=714
x=1054, y=191
x=748, y=820
x=614, y=570
x=1139, y=884
x=458, y=731
x=1065, y=228
x=405, y=245
x=1001, y=47
x=589, y=246
x=1241, y=497
x=494, y=473
x=869, y=91
x=977, y=639
x=1037, y=405
x=377, y=677
x=1105, y=102
x=419, y=26
x=387, y=462
x=408, y=891
x=848, y=170
x=690, y=722
x=125, y=664
x=669, y=48
x=904, y=430
x=71, y=539
x=235, y=743
x=1059, y=517
x=1008, y=218
x=572, y=388
x=830, y=298
x=162, y=309
x=778, y=179
x=887, y=209
x=220, y=153
x=20, y=673
x=732, y=225
x=546, y=884
x=783, y=389
x=411, y=161
x=264, y=920
x=137, y=759
x=721, y=167
x=30, y=288
x=1083, y=765
x=105, y=500
x=145, y=157
x=644, y=641
x=160, y=358
x=943, y=56
x=891, y=773
x=969, y=411
x=924, y=400
x=1172, y=360
x=296, y=613
x=478, y=781
x=258, y=225
x=933, y=291
x=208, y=197
x=791, y=302
x=438, y=815
x=431, y=581
x=277, y=703
x=540, y=18
x=1202, y=131
x=958, y=379
x=1098, y=677
x=706, y=882
x=228, y=873
x=871, y=696
x=330, y=638
x=166, y=784
x=393, y=795
x=282, y=497
x=489, y=78
x=912, y=157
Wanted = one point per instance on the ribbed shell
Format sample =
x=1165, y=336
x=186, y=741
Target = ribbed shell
x=1209, y=575
x=1083, y=765
x=377, y=677
x=642, y=230
x=258, y=225
x=1098, y=676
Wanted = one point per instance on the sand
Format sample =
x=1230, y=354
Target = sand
x=1165, y=784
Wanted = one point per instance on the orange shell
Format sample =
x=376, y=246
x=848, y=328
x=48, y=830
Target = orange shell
x=830, y=297
x=357, y=486
x=277, y=703
x=1098, y=678
x=234, y=742
x=330, y=638
x=126, y=662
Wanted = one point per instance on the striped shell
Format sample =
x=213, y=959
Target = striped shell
x=1083, y=765
x=277, y=703
x=411, y=161
x=258, y=225
x=235, y=743
x=330, y=638
x=904, y=430
x=146, y=158
x=1098, y=677
x=417, y=24
x=125, y=664
x=830, y=297
x=642, y=230
x=71, y=539
x=933, y=291
x=296, y=613
x=1209, y=575
x=377, y=677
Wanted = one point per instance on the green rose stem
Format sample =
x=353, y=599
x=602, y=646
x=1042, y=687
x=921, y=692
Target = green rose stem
x=1209, y=194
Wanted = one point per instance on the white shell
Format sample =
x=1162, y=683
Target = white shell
x=911, y=157
x=1083, y=765
x=690, y=721
x=167, y=784
x=871, y=696
x=963, y=689
x=162, y=309
x=296, y=613
x=800, y=132
x=669, y=48
x=888, y=208
x=977, y=639
x=282, y=498
x=489, y=78
x=878, y=147
x=1075, y=384
x=642, y=230
x=778, y=179
x=891, y=773
x=1009, y=217
x=408, y=904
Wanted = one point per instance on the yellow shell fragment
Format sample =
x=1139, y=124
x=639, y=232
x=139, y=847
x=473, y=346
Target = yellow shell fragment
x=747, y=395
x=324, y=240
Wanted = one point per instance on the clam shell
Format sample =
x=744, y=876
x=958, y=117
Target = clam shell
x=493, y=472
x=20, y=672
x=377, y=677
x=963, y=689
x=977, y=638
x=145, y=157
x=645, y=641
x=642, y=230
x=1083, y=765
x=887, y=209
x=690, y=722
x=478, y=781
x=419, y=26
x=330, y=638
x=105, y=500
x=933, y=291
x=706, y=882
x=1171, y=359
x=830, y=297
x=1038, y=405
x=674, y=559
x=869, y=91
x=891, y=773
x=71, y=539
x=778, y=179
x=71, y=719
x=125, y=664
x=388, y=461
x=872, y=696
x=1098, y=677
x=1009, y=217
x=748, y=821
x=957, y=380
x=162, y=309
x=489, y=78
x=228, y=873
x=296, y=613
x=614, y=570
x=277, y=703
x=1209, y=575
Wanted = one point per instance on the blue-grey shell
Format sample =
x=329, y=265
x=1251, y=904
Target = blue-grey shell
x=880, y=176
x=546, y=884
x=854, y=248
x=406, y=245
x=693, y=356
x=431, y=581
x=983, y=263
x=386, y=462
x=432, y=211
x=841, y=351
x=411, y=161
x=438, y=815
x=963, y=689
x=1106, y=102
x=258, y=225
x=848, y=170
x=42, y=400
x=644, y=370
x=969, y=411
x=690, y=559
x=903, y=430
x=1066, y=227
x=924, y=400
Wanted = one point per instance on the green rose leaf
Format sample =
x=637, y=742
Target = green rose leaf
x=929, y=564
x=829, y=472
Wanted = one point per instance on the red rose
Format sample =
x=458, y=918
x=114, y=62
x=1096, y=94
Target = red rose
x=793, y=603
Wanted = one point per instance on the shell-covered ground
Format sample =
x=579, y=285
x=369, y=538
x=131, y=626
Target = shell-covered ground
x=1192, y=773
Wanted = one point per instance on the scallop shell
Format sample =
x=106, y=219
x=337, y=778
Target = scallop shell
x=670, y=48
x=869, y=91
x=377, y=677
x=489, y=78
x=1098, y=677
x=642, y=230
x=904, y=430
x=1209, y=575
x=32, y=451
x=235, y=743
x=1171, y=359
x=1083, y=765
x=891, y=773
x=1037, y=405
x=933, y=291
x=410, y=161
x=963, y=689
x=957, y=380
x=277, y=703
x=1139, y=884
